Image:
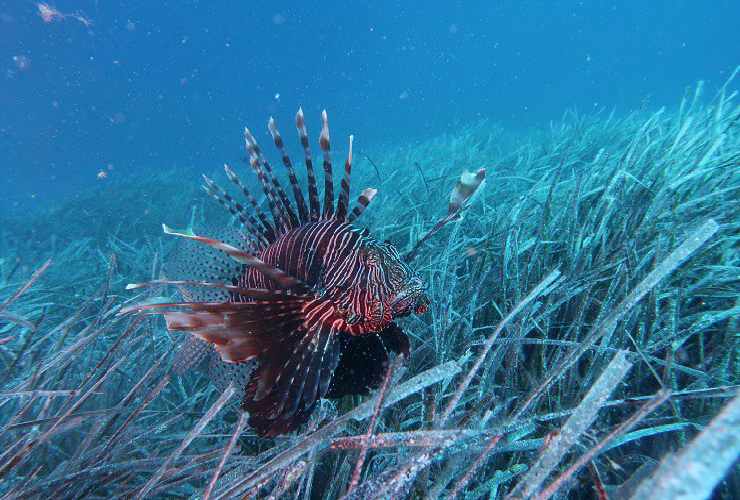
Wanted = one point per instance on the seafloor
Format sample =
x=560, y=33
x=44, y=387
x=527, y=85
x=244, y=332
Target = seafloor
x=582, y=339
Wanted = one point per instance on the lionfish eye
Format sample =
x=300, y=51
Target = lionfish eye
x=370, y=256
x=387, y=242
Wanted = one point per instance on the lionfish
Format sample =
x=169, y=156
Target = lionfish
x=313, y=298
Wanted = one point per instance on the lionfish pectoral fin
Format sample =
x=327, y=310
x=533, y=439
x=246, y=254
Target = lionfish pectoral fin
x=294, y=372
x=463, y=191
x=236, y=329
x=364, y=360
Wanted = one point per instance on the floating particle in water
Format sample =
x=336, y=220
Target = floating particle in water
x=277, y=96
x=102, y=175
x=130, y=25
x=278, y=19
x=453, y=29
x=23, y=63
x=404, y=95
x=117, y=118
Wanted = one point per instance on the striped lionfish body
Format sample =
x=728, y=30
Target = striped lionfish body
x=315, y=298
x=364, y=283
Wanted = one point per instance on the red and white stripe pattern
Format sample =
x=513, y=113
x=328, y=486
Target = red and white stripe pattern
x=360, y=276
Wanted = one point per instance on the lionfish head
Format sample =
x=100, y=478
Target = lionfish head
x=384, y=288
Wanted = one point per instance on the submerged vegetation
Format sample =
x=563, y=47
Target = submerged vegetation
x=582, y=337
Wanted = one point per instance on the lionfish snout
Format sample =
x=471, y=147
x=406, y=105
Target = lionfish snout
x=411, y=299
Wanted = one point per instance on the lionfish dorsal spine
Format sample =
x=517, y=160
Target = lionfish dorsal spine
x=255, y=162
x=343, y=200
x=284, y=217
x=324, y=143
x=268, y=231
x=287, y=213
x=255, y=238
x=313, y=192
x=363, y=201
x=297, y=193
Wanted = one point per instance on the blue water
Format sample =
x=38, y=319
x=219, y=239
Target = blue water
x=159, y=85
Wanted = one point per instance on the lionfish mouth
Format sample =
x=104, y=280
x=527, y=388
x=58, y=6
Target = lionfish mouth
x=410, y=301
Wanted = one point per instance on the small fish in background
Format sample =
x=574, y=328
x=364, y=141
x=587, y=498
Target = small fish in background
x=117, y=118
x=50, y=14
x=103, y=172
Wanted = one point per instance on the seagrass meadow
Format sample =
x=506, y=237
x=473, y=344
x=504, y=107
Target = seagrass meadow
x=582, y=338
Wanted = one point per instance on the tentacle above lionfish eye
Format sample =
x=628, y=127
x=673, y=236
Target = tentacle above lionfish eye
x=387, y=243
